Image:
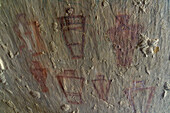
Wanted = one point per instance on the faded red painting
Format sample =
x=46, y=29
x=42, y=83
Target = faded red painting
x=23, y=32
x=124, y=37
x=143, y=102
x=71, y=86
x=102, y=87
x=38, y=41
x=29, y=34
x=40, y=74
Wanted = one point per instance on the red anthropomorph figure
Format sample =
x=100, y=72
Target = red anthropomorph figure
x=124, y=37
x=29, y=34
x=40, y=74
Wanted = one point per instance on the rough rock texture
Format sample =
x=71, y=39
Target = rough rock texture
x=84, y=56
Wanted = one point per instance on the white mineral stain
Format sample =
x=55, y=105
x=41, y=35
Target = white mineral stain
x=70, y=11
x=2, y=67
x=53, y=46
x=95, y=71
x=164, y=94
x=24, y=37
x=76, y=111
x=11, y=55
x=16, y=54
x=11, y=105
x=167, y=86
x=29, y=109
x=53, y=63
x=97, y=17
x=35, y=94
x=105, y=3
x=4, y=46
x=65, y=107
x=6, y=49
x=141, y=5
x=9, y=91
x=147, y=70
x=147, y=45
x=18, y=79
x=55, y=27
x=94, y=107
x=33, y=35
x=2, y=78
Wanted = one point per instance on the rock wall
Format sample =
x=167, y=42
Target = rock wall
x=84, y=56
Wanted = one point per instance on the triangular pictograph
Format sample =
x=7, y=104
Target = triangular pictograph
x=102, y=87
x=71, y=86
x=124, y=37
x=73, y=28
x=139, y=88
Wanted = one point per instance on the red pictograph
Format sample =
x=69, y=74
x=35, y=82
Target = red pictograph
x=71, y=86
x=23, y=32
x=139, y=88
x=40, y=74
x=73, y=28
x=29, y=34
x=124, y=37
x=39, y=45
x=102, y=87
